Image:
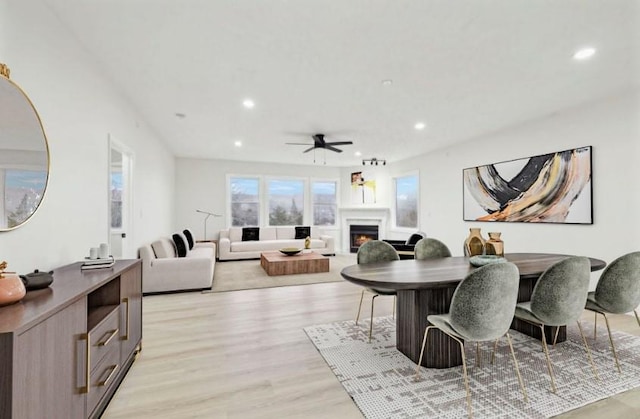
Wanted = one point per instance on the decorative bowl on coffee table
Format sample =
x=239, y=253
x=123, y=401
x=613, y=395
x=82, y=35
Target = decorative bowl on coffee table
x=290, y=251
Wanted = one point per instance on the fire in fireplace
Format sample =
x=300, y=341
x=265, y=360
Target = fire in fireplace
x=359, y=234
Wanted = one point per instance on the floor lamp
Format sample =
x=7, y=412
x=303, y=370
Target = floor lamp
x=209, y=214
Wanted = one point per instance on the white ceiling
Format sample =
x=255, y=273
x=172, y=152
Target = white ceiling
x=464, y=67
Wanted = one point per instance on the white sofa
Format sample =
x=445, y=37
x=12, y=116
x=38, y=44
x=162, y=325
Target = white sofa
x=231, y=246
x=163, y=270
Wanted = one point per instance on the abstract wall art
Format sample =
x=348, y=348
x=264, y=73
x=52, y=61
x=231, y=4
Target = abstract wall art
x=550, y=188
x=363, y=189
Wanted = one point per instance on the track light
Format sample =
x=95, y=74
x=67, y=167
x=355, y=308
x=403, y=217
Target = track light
x=373, y=161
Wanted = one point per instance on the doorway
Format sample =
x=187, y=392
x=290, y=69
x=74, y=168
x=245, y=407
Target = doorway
x=120, y=200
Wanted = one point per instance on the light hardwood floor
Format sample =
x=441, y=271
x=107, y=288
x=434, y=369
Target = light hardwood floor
x=243, y=354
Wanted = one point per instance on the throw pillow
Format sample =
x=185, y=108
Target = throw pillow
x=189, y=236
x=415, y=238
x=181, y=246
x=250, y=234
x=303, y=232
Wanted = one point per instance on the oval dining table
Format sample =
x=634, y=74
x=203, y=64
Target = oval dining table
x=425, y=287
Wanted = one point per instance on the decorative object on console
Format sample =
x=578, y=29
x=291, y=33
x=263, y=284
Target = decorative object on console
x=474, y=244
x=90, y=264
x=209, y=214
x=250, y=234
x=481, y=260
x=307, y=242
x=37, y=280
x=495, y=245
x=24, y=169
x=549, y=188
x=12, y=289
x=103, y=251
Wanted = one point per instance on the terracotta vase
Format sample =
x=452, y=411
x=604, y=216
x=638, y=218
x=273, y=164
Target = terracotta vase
x=11, y=289
x=474, y=244
x=495, y=245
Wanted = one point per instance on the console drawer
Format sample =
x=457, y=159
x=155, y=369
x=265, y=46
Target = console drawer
x=104, y=336
x=103, y=376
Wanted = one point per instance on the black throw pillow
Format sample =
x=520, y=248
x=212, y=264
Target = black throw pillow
x=303, y=232
x=181, y=246
x=189, y=236
x=415, y=238
x=250, y=234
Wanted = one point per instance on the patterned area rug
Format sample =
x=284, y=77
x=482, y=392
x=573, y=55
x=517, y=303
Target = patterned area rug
x=381, y=380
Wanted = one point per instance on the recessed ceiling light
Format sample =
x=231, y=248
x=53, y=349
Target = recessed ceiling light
x=180, y=115
x=248, y=103
x=584, y=53
x=387, y=82
x=238, y=143
x=420, y=125
x=357, y=154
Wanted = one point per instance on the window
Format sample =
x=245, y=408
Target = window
x=245, y=201
x=406, y=201
x=324, y=203
x=116, y=199
x=286, y=202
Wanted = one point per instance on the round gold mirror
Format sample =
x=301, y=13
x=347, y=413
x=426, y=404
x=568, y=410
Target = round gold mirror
x=24, y=155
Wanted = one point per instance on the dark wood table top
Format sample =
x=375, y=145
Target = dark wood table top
x=443, y=272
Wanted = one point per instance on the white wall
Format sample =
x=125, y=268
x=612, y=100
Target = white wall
x=79, y=108
x=611, y=126
x=202, y=184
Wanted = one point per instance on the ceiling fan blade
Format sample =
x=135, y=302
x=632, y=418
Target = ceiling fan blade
x=299, y=143
x=309, y=149
x=328, y=147
x=340, y=143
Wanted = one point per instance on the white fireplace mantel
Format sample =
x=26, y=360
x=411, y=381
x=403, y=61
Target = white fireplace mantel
x=362, y=215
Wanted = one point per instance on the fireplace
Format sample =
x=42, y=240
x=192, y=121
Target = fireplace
x=359, y=234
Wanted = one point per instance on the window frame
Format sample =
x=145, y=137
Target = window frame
x=394, y=200
x=230, y=202
x=267, y=198
x=336, y=223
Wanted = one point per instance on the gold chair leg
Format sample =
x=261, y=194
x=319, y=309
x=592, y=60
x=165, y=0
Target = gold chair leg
x=555, y=337
x=595, y=325
x=495, y=349
x=393, y=314
x=637, y=318
x=515, y=364
x=586, y=346
x=546, y=353
x=466, y=375
x=424, y=342
x=613, y=348
x=373, y=299
x=359, y=307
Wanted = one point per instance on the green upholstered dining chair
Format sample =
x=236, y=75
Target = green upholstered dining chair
x=481, y=309
x=558, y=299
x=431, y=248
x=617, y=292
x=374, y=251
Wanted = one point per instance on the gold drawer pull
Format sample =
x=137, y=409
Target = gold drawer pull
x=126, y=335
x=114, y=368
x=110, y=336
x=87, y=371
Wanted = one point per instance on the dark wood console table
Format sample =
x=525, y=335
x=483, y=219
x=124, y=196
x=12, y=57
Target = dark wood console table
x=65, y=349
x=426, y=286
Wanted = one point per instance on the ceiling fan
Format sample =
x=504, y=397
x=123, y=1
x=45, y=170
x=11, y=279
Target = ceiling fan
x=319, y=142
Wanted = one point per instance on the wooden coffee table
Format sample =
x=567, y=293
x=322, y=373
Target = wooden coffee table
x=276, y=263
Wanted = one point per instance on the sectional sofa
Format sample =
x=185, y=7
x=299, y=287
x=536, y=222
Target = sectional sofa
x=238, y=243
